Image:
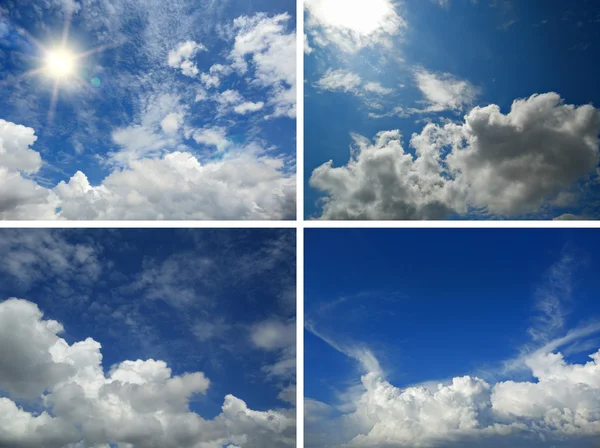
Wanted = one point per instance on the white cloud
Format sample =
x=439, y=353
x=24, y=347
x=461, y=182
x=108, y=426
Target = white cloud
x=341, y=80
x=248, y=107
x=171, y=123
x=20, y=196
x=212, y=136
x=139, y=403
x=502, y=164
x=272, y=51
x=275, y=335
x=382, y=181
x=248, y=183
x=307, y=47
x=376, y=88
x=15, y=154
x=182, y=57
x=444, y=92
x=353, y=24
x=560, y=405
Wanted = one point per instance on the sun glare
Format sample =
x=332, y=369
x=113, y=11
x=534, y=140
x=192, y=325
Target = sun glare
x=360, y=16
x=60, y=63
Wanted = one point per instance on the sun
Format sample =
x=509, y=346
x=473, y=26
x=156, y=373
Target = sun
x=60, y=63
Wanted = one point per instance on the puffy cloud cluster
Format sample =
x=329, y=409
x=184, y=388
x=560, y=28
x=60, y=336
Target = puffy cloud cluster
x=382, y=181
x=272, y=51
x=245, y=184
x=138, y=403
x=352, y=25
x=501, y=164
x=562, y=403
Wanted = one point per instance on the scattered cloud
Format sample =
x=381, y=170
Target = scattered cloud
x=444, y=92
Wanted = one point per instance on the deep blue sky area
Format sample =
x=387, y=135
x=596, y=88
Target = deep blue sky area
x=433, y=304
x=154, y=291
x=507, y=50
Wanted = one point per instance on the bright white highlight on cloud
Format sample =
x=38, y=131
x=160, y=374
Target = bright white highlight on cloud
x=137, y=403
x=352, y=24
x=501, y=164
x=182, y=57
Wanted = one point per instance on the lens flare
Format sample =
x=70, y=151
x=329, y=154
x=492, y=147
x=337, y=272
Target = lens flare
x=60, y=64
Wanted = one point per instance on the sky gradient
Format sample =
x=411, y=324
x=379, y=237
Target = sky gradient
x=452, y=337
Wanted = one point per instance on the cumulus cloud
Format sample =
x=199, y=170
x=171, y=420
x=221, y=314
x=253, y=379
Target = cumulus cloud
x=137, y=403
x=246, y=183
x=354, y=25
x=271, y=49
x=501, y=164
x=20, y=196
x=559, y=404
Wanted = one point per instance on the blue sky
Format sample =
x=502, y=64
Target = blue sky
x=391, y=313
x=406, y=64
x=218, y=304
x=173, y=109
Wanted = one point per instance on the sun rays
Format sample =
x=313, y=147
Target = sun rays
x=59, y=62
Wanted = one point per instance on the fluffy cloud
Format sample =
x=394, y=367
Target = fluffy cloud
x=382, y=181
x=503, y=164
x=182, y=57
x=19, y=195
x=138, y=403
x=246, y=183
x=353, y=25
x=560, y=404
x=272, y=51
